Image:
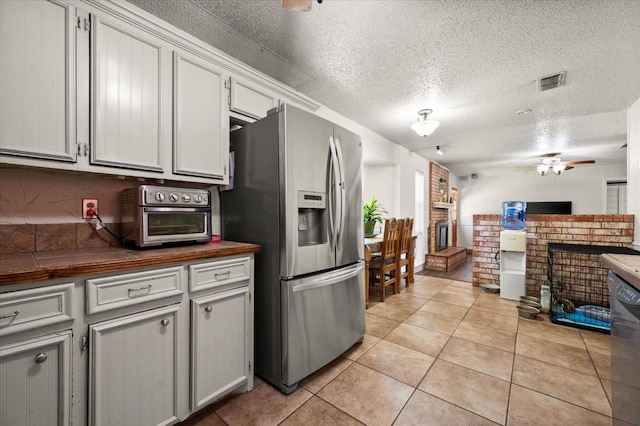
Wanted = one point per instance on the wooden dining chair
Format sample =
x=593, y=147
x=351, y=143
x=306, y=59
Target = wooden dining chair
x=383, y=268
x=402, y=255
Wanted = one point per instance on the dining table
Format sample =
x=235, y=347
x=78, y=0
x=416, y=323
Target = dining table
x=373, y=245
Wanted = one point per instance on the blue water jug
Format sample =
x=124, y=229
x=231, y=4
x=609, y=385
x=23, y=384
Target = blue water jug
x=514, y=215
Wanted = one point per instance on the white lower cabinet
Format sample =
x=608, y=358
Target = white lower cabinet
x=35, y=381
x=220, y=358
x=143, y=353
x=133, y=369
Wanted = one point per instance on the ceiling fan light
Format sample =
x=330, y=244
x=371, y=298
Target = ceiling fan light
x=558, y=168
x=543, y=169
x=425, y=126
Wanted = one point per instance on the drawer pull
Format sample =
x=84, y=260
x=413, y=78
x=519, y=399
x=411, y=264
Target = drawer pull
x=223, y=276
x=165, y=322
x=133, y=290
x=40, y=358
x=14, y=314
x=208, y=308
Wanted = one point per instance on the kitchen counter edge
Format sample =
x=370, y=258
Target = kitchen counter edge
x=16, y=268
x=625, y=265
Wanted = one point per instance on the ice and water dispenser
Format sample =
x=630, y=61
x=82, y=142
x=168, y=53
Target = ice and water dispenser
x=312, y=218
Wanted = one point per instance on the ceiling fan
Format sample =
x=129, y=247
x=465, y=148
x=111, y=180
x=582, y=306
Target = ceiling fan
x=297, y=5
x=552, y=162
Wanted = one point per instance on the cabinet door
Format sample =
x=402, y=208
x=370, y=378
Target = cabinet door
x=201, y=131
x=132, y=369
x=250, y=100
x=37, y=86
x=35, y=378
x=128, y=75
x=219, y=345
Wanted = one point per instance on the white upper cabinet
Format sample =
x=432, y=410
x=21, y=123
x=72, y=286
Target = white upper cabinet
x=249, y=99
x=101, y=86
x=128, y=74
x=201, y=119
x=37, y=83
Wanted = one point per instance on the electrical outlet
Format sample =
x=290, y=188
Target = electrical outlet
x=87, y=205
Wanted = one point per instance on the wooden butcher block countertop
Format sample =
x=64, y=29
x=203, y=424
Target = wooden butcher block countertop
x=625, y=265
x=39, y=266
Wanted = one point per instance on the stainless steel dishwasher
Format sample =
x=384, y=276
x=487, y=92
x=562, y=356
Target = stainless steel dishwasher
x=625, y=350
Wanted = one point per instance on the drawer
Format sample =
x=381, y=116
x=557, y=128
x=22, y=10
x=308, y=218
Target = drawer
x=104, y=294
x=28, y=309
x=219, y=273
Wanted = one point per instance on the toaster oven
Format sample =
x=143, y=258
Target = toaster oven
x=156, y=215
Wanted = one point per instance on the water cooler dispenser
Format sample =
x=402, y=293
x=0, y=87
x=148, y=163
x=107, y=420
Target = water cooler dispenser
x=513, y=261
x=513, y=250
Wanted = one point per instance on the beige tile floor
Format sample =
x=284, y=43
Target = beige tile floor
x=444, y=353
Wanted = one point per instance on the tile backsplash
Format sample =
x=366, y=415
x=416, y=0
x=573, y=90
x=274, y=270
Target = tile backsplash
x=51, y=236
x=40, y=209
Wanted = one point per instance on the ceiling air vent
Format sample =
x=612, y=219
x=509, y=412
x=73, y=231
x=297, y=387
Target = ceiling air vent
x=551, y=81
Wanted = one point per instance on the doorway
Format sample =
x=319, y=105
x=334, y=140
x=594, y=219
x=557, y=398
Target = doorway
x=454, y=217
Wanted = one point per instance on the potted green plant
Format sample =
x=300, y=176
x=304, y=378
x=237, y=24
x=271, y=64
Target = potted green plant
x=373, y=212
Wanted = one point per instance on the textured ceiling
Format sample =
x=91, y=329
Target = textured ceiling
x=475, y=63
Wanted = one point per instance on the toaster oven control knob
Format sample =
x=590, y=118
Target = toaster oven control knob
x=159, y=197
x=197, y=198
x=186, y=198
x=173, y=197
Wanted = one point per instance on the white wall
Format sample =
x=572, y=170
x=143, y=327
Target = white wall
x=381, y=182
x=633, y=167
x=584, y=186
x=394, y=187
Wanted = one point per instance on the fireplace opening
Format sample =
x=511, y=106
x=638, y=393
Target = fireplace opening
x=442, y=235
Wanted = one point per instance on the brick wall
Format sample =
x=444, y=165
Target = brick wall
x=437, y=215
x=603, y=230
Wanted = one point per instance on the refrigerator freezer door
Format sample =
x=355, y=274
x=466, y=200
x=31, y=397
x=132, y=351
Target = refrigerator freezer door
x=322, y=316
x=350, y=246
x=306, y=157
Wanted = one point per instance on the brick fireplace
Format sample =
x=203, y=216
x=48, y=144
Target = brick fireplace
x=437, y=215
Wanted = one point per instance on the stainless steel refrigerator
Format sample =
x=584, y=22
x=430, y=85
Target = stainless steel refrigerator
x=297, y=191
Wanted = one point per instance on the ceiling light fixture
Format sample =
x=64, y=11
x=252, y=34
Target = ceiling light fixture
x=543, y=169
x=558, y=168
x=440, y=151
x=553, y=164
x=424, y=126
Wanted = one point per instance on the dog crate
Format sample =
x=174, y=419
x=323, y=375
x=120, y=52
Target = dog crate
x=578, y=282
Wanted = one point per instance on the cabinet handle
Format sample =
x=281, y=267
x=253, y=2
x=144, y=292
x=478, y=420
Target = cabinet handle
x=14, y=314
x=165, y=322
x=208, y=308
x=224, y=275
x=131, y=290
x=40, y=358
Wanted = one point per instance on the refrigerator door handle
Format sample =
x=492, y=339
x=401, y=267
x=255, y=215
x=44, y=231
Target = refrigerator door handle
x=341, y=188
x=334, y=185
x=326, y=281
